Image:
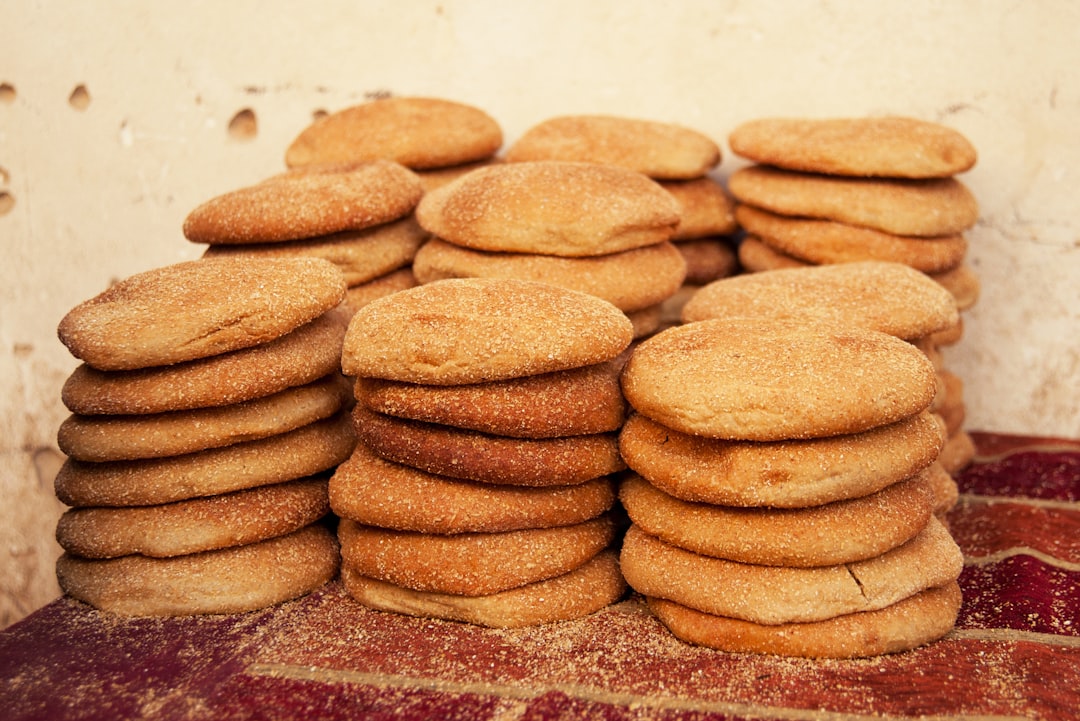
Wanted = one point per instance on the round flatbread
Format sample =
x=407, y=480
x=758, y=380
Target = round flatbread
x=777, y=594
x=906, y=624
x=376, y=492
x=306, y=354
x=304, y=452
x=471, y=564
x=826, y=241
x=201, y=524
x=834, y=533
x=927, y=208
x=127, y=438
x=755, y=255
x=551, y=208
x=198, y=309
x=458, y=453
x=587, y=589
x=414, y=131
x=887, y=297
x=573, y=402
x=630, y=279
x=307, y=203
x=767, y=380
x=958, y=453
x=358, y=296
x=707, y=259
x=963, y=283
x=473, y=330
x=230, y=580
x=362, y=255
x=656, y=149
x=706, y=208
x=888, y=146
x=781, y=474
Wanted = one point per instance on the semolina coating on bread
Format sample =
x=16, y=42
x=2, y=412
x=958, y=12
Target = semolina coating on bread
x=928, y=208
x=760, y=379
x=306, y=203
x=656, y=149
x=418, y=132
x=888, y=297
x=885, y=146
x=472, y=330
x=550, y=207
x=780, y=474
x=198, y=309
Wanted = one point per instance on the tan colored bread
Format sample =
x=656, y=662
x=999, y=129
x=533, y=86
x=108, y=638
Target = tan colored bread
x=755, y=255
x=887, y=297
x=358, y=296
x=838, y=532
x=630, y=279
x=307, y=203
x=826, y=241
x=128, y=438
x=471, y=564
x=306, y=354
x=573, y=402
x=587, y=589
x=781, y=474
x=473, y=330
x=376, y=492
x=657, y=149
x=551, y=208
x=963, y=283
x=197, y=309
x=958, y=453
x=417, y=132
x=706, y=209
x=707, y=259
x=433, y=178
x=906, y=624
x=362, y=255
x=776, y=379
x=200, y=524
x=888, y=146
x=458, y=453
x=230, y=580
x=777, y=594
x=306, y=451
x=902, y=207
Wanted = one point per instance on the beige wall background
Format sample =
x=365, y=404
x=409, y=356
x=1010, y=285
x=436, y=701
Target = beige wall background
x=118, y=117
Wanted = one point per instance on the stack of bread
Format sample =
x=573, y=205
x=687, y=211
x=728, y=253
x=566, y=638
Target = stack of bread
x=358, y=216
x=206, y=416
x=481, y=487
x=889, y=297
x=782, y=501
x=678, y=158
x=598, y=229
x=875, y=188
x=373, y=234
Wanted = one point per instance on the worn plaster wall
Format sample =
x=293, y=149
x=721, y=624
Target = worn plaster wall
x=118, y=117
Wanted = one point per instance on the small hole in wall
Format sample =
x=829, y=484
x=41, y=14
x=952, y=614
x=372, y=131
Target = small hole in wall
x=7, y=93
x=7, y=202
x=79, y=98
x=243, y=125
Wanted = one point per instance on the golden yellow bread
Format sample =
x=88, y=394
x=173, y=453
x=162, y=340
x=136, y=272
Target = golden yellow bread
x=197, y=309
x=584, y=590
x=228, y=580
x=763, y=379
x=885, y=146
x=552, y=208
x=473, y=330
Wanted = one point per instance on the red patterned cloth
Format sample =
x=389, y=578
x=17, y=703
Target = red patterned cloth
x=1015, y=652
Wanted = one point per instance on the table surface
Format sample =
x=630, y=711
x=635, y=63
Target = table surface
x=1015, y=651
